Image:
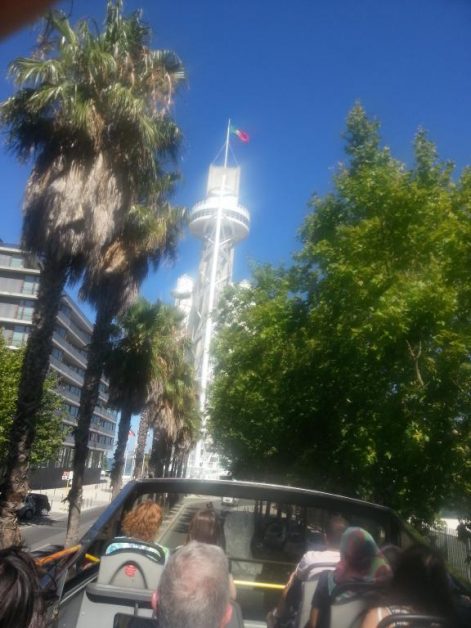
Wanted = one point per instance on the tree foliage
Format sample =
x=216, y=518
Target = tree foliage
x=91, y=110
x=50, y=431
x=140, y=361
x=350, y=371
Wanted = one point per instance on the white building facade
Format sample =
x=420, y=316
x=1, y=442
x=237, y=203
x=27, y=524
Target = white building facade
x=18, y=293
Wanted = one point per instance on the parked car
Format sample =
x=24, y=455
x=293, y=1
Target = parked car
x=34, y=505
x=230, y=501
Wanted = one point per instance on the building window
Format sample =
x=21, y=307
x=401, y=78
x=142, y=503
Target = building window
x=56, y=353
x=29, y=285
x=19, y=336
x=8, y=310
x=16, y=261
x=25, y=310
x=66, y=457
x=61, y=331
x=11, y=260
x=11, y=284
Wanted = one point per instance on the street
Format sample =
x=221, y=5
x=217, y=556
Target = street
x=50, y=530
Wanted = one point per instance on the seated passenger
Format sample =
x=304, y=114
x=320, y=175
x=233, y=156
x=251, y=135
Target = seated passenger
x=20, y=594
x=205, y=527
x=193, y=591
x=311, y=564
x=361, y=561
x=141, y=524
x=314, y=561
x=420, y=585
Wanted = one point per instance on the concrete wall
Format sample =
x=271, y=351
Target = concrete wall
x=51, y=477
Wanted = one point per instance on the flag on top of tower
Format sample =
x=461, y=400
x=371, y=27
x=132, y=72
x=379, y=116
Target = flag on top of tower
x=242, y=135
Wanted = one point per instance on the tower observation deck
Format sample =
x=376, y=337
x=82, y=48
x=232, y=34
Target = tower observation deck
x=220, y=222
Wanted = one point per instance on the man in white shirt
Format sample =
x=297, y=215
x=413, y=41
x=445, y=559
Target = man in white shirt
x=311, y=564
x=316, y=561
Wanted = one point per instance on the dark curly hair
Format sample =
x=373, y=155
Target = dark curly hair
x=22, y=604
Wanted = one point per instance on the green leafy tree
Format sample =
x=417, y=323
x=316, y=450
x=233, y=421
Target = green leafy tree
x=92, y=110
x=253, y=394
x=50, y=431
x=372, y=336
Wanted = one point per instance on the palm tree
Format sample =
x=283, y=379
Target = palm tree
x=135, y=360
x=175, y=419
x=142, y=432
x=167, y=349
x=69, y=207
x=93, y=112
x=149, y=236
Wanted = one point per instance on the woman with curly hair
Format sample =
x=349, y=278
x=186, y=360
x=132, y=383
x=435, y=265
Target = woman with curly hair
x=140, y=526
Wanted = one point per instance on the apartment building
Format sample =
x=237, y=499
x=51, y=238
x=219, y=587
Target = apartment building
x=18, y=290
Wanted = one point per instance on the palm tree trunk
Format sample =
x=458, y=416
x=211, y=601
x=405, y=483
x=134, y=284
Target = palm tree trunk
x=33, y=373
x=172, y=467
x=118, y=462
x=185, y=465
x=158, y=453
x=88, y=401
x=141, y=443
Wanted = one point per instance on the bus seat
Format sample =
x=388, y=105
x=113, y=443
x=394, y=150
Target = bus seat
x=125, y=579
x=345, y=611
x=350, y=602
x=130, y=569
x=308, y=589
x=348, y=613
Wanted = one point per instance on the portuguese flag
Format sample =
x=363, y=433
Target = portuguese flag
x=242, y=135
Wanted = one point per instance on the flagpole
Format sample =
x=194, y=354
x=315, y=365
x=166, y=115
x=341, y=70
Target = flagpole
x=212, y=292
x=228, y=134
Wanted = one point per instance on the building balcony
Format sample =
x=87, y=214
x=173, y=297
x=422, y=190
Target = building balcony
x=105, y=414
x=72, y=328
x=25, y=319
x=63, y=369
x=93, y=444
x=19, y=269
x=70, y=349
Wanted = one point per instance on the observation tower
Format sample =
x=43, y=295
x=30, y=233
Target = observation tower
x=220, y=222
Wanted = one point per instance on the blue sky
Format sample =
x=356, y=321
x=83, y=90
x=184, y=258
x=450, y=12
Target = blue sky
x=288, y=72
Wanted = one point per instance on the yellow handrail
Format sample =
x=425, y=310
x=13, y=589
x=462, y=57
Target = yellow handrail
x=258, y=585
x=57, y=555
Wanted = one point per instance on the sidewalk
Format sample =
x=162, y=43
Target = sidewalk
x=93, y=495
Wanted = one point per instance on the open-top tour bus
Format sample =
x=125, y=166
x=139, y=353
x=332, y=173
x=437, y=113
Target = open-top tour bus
x=267, y=529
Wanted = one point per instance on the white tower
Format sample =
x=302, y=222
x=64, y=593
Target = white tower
x=183, y=295
x=220, y=223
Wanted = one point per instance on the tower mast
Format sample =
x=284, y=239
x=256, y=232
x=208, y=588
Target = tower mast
x=212, y=286
x=220, y=222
